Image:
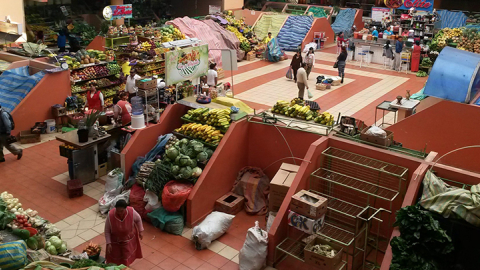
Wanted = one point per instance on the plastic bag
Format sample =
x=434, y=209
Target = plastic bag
x=13, y=255
x=376, y=131
x=170, y=222
x=289, y=73
x=109, y=199
x=253, y=254
x=320, y=79
x=136, y=200
x=310, y=95
x=211, y=228
x=152, y=201
x=175, y=194
x=308, y=46
x=271, y=218
x=114, y=179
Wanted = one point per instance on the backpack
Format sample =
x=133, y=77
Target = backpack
x=9, y=117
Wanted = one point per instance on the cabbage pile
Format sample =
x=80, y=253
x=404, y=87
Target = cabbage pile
x=55, y=245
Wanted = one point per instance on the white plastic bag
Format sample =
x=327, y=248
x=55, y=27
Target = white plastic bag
x=114, y=180
x=253, y=254
x=376, y=131
x=310, y=45
x=109, y=199
x=211, y=228
x=152, y=201
x=271, y=218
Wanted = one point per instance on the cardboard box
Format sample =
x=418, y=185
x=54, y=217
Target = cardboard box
x=387, y=141
x=37, y=255
x=280, y=184
x=146, y=83
x=26, y=136
x=309, y=204
x=59, y=259
x=304, y=223
x=230, y=203
x=320, y=261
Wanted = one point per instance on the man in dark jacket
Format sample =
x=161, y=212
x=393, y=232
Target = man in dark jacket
x=5, y=129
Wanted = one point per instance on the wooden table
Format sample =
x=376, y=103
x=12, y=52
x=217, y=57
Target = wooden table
x=90, y=148
x=405, y=109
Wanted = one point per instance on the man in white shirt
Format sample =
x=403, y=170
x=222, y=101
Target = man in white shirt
x=302, y=80
x=212, y=76
x=130, y=84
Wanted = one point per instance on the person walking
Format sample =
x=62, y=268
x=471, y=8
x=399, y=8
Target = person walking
x=302, y=80
x=123, y=232
x=398, y=53
x=310, y=61
x=6, y=127
x=94, y=99
x=61, y=40
x=130, y=84
x=388, y=52
x=212, y=76
x=341, y=63
x=416, y=56
x=296, y=64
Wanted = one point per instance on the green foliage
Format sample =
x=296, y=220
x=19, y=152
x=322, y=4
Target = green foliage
x=5, y=216
x=422, y=243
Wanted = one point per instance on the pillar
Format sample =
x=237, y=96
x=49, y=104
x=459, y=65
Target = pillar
x=118, y=2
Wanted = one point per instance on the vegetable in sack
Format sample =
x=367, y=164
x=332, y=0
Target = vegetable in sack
x=52, y=250
x=172, y=153
x=202, y=156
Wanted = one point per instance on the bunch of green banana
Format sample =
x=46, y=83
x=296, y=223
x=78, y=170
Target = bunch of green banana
x=325, y=119
x=215, y=117
x=293, y=109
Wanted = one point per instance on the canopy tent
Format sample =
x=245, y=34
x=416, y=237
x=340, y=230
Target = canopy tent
x=293, y=32
x=344, y=20
x=452, y=19
x=457, y=80
x=15, y=84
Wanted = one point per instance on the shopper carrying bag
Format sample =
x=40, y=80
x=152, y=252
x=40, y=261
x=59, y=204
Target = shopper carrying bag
x=302, y=82
x=289, y=73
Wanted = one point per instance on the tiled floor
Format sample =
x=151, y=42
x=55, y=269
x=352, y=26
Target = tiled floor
x=39, y=178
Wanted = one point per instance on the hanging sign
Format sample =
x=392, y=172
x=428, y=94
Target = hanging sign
x=380, y=13
x=186, y=64
x=420, y=5
x=117, y=12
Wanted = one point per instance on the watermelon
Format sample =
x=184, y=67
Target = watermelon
x=32, y=243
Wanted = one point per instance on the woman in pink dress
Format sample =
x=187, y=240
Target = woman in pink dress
x=123, y=232
x=416, y=56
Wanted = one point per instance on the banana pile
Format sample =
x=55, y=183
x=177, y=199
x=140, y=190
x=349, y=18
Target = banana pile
x=324, y=119
x=206, y=133
x=237, y=33
x=449, y=34
x=215, y=117
x=145, y=46
x=292, y=109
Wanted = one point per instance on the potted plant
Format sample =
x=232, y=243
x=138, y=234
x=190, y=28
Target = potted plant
x=92, y=117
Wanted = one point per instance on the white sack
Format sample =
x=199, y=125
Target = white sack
x=152, y=201
x=211, y=228
x=377, y=132
x=253, y=254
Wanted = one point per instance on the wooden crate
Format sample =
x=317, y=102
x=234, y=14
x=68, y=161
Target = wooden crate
x=387, y=141
x=27, y=136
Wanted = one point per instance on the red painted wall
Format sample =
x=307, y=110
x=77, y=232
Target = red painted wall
x=36, y=106
x=98, y=43
x=358, y=19
x=245, y=144
x=250, y=19
x=145, y=139
x=443, y=127
x=320, y=25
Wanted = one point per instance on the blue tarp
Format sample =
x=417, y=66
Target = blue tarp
x=344, y=20
x=293, y=32
x=158, y=149
x=273, y=51
x=456, y=80
x=15, y=84
x=452, y=19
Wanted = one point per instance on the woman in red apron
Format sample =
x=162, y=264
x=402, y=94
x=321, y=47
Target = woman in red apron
x=123, y=231
x=94, y=99
x=126, y=108
x=416, y=56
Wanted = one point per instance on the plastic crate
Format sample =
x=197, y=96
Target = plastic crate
x=74, y=188
x=39, y=128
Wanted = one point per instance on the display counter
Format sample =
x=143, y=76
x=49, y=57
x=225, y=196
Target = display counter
x=375, y=46
x=81, y=164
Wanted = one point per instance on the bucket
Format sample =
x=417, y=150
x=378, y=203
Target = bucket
x=82, y=135
x=50, y=125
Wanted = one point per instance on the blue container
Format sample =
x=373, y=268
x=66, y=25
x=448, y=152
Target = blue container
x=454, y=76
x=137, y=106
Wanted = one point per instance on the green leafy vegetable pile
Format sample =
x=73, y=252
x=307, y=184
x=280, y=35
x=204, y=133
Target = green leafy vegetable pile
x=87, y=263
x=422, y=73
x=427, y=62
x=5, y=215
x=422, y=244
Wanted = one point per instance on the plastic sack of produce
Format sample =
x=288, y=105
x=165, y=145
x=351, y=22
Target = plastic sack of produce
x=270, y=219
x=166, y=221
x=211, y=228
x=253, y=254
x=108, y=200
x=136, y=200
x=175, y=194
x=13, y=255
x=114, y=180
x=152, y=201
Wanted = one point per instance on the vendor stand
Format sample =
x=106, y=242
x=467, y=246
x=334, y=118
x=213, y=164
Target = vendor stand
x=81, y=164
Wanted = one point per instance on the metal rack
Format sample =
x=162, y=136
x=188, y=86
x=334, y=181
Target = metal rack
x=360, y=192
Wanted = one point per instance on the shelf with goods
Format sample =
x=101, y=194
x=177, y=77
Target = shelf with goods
x=94, y=72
